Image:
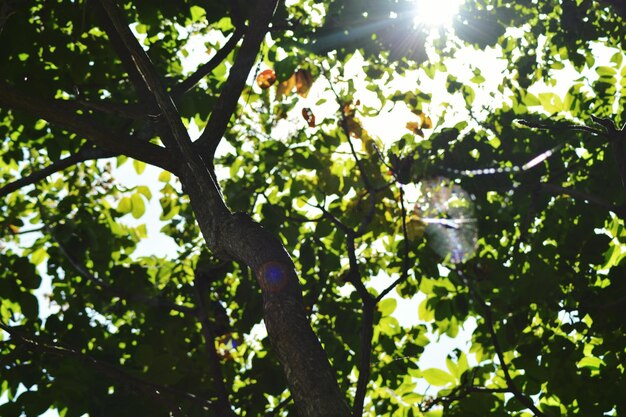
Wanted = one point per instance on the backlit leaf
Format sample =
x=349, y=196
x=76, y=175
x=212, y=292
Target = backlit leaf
x=266, y=79
x=437, y=377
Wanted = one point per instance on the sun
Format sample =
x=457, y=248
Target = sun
x=436, y=13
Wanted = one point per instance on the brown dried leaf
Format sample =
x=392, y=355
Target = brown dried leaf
x=415, y=128
x=304, y=81
x=266, y=79
x=308, y=115
x=354, y=127
x=425, y=121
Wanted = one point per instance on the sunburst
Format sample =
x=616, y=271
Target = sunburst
x=436, y=13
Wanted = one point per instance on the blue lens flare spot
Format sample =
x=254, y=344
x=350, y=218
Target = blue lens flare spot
x=272, y=276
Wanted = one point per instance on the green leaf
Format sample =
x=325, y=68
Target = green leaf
x=425, y=313
x=38, y=256
x=437, y=377
x=606, y=71
x=141, y=28
x=138, y=207
x=531, y=100
x=139, y=166
x=125, y=205
x=29, y=305
x=165, y=176
x=286, y=67
x=387, y=306
x=197, y=13
x=551, y=102
x=145, y=191
x=617, y=59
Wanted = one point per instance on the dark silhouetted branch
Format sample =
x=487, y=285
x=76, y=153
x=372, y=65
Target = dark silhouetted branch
x=578, y=195
x=85, y=154
x=150, y=389
x=227, y=101
x=365, y=356
x=405, y=257
x=488, y=316
x=279, y=407
x=222, y=404
x=458, y=393
x=63, y=114
x=118, y=42
x=176, y=138
x=206, y=69
x=85, y=273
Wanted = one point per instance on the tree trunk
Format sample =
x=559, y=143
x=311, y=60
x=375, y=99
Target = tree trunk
x=310, y=377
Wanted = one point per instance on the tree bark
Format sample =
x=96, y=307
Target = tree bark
x=310, y=377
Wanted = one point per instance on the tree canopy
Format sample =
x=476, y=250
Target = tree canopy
x=314, y=167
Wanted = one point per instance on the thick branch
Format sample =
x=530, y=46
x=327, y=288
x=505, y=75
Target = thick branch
x=227, y=101
x=618, y=138
x=176, y=138
x=367, y=318
x=309, y=374
x=85, y=154
x=310, y=377
x=119, y=45
x=62, y=114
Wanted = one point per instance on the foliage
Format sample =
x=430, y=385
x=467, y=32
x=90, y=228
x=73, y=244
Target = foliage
x=90, y=325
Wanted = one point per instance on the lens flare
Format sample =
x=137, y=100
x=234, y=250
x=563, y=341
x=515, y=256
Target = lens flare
x=448, y=212
x=272, y=276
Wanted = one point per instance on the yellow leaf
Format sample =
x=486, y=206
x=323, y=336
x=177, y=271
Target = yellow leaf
x=286, y=87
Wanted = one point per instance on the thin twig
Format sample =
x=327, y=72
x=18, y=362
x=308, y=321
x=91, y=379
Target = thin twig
x=367, y=332
x=206, y=68
x=85, y=273
x=148, y=388
x=85, y=154
x=488, y=316
x=459, y=393
x=579, y=195
x=279, y=407
x=405, y=258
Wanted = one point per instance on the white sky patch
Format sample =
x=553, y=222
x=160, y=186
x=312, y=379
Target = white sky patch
x=436, y=13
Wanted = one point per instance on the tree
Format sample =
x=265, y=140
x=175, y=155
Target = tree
x=287, y=213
